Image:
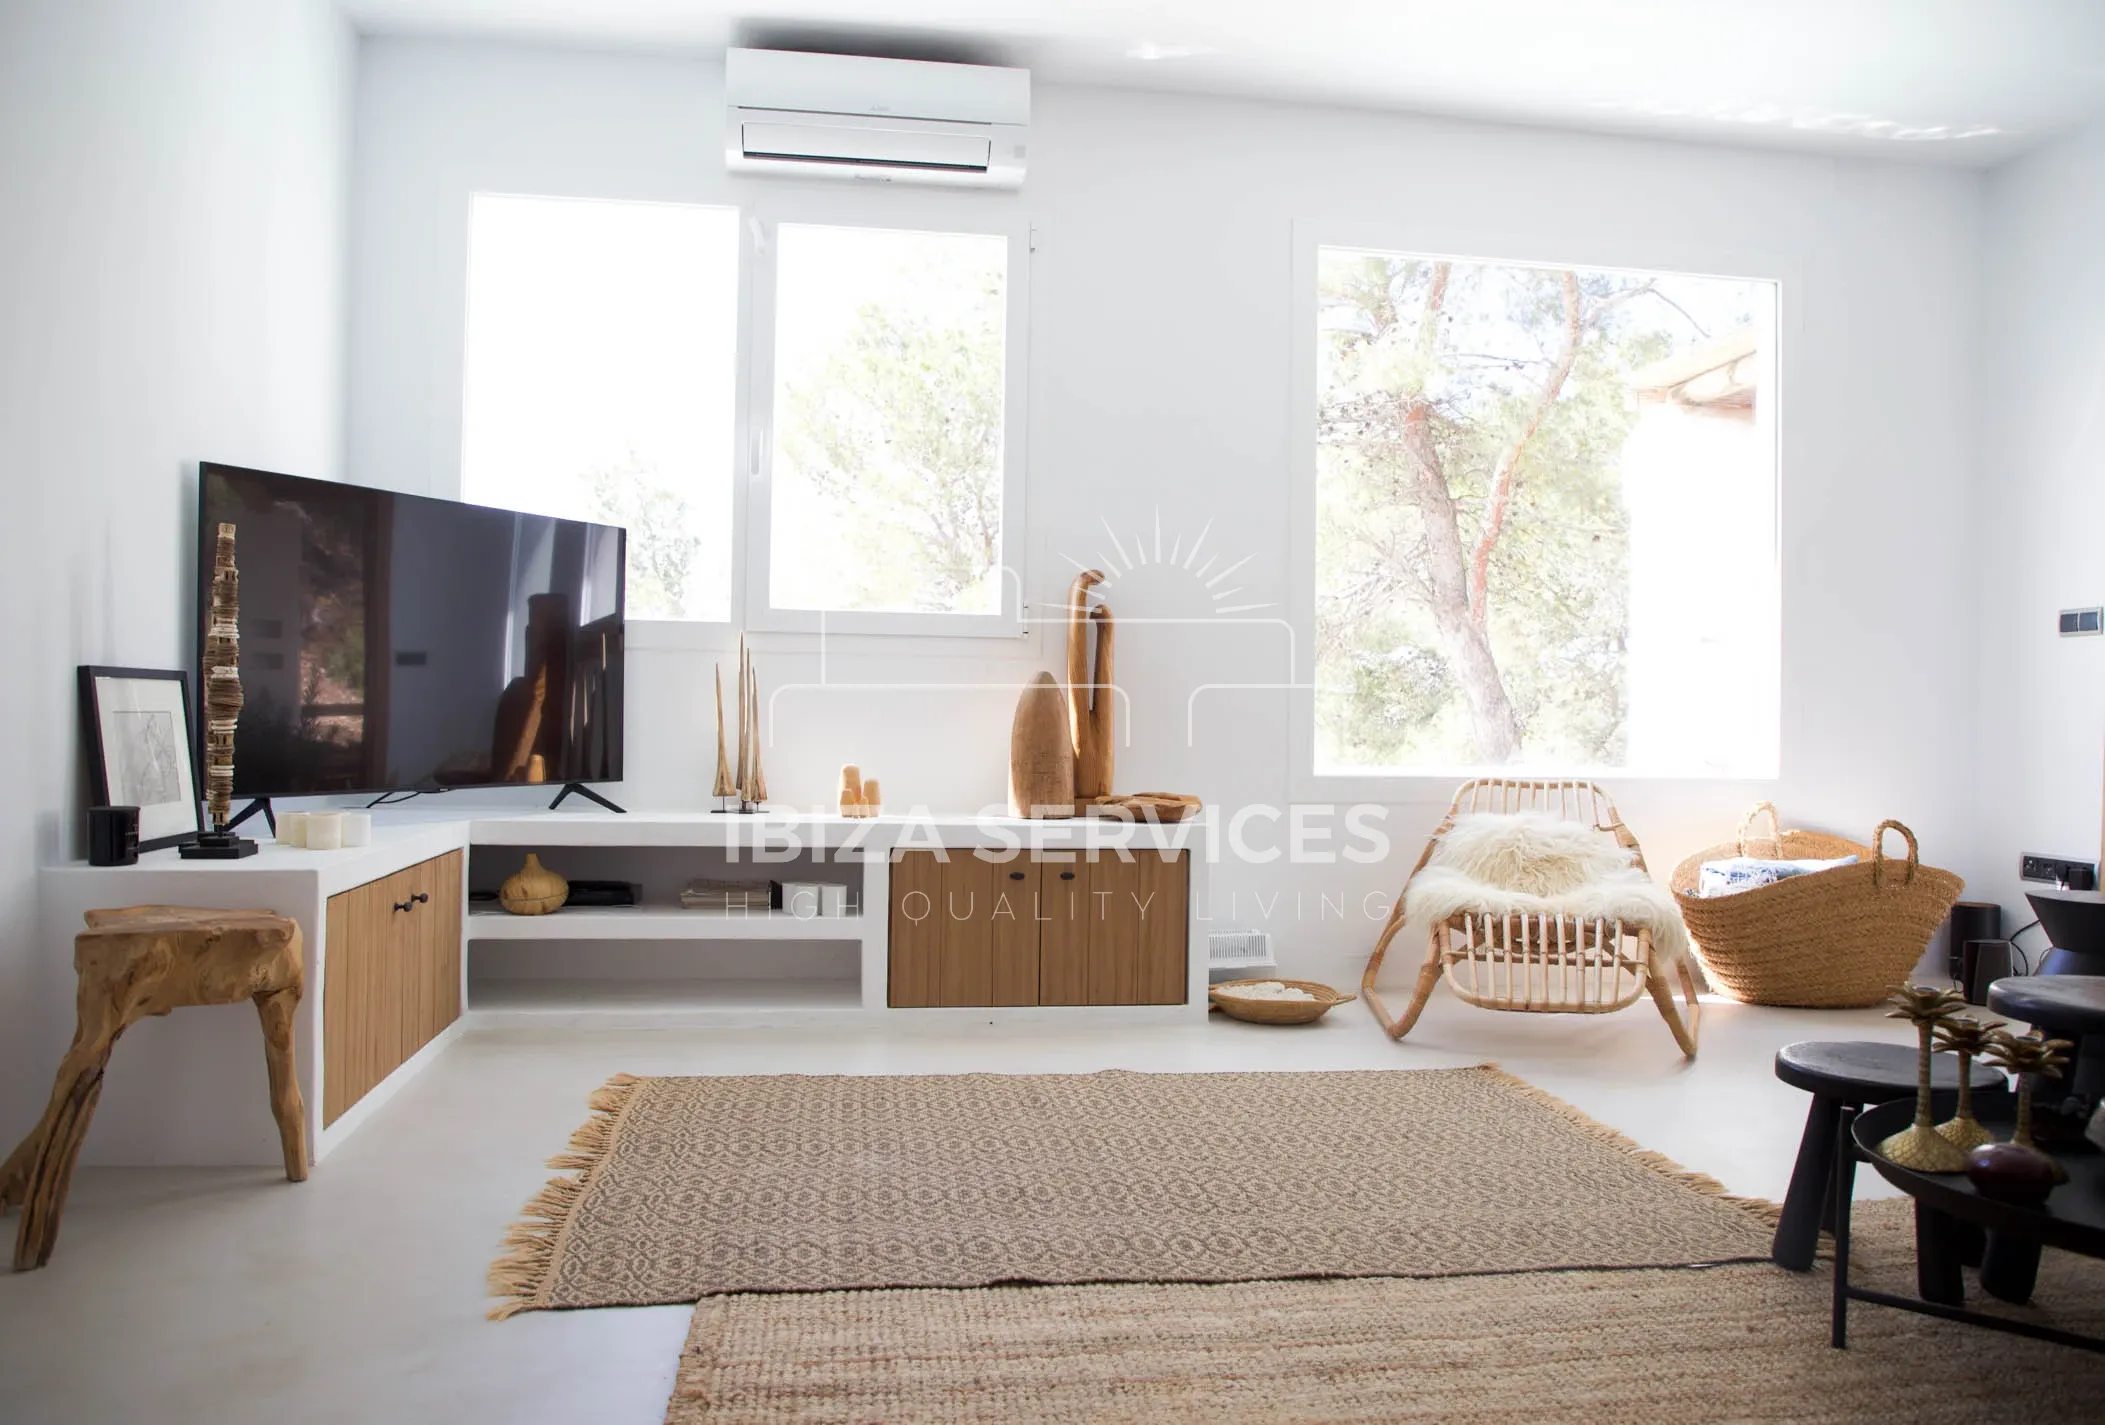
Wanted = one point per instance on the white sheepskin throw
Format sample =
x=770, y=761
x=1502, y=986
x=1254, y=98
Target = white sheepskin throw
x=1536, y=864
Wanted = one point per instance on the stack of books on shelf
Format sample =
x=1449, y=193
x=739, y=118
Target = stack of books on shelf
x=704, y=894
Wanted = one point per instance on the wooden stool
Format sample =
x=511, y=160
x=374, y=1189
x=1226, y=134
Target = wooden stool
x=148, y=960
x=1841, y=1074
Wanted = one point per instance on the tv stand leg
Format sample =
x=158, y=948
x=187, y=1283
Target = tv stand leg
x=261, y=804
x=580, y=789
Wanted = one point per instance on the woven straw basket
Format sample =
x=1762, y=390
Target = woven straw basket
x=1277, y=1011
x=1825, y=940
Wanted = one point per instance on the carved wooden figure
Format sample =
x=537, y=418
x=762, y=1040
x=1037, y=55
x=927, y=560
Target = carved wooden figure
x=148, y=960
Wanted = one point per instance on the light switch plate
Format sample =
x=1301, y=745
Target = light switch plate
x=2082, y=623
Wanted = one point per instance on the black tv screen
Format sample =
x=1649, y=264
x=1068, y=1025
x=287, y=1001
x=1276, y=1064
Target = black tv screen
x=397, y=642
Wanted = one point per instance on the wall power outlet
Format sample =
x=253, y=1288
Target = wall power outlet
x=2059, y=871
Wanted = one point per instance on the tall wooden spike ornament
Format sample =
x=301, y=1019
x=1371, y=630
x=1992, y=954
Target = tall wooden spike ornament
x=747, y=782
x=222, y=665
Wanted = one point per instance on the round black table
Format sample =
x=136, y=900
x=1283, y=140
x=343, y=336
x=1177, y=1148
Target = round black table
x=1946, y=1204
x=2070, y=1007
x=1843, y=1074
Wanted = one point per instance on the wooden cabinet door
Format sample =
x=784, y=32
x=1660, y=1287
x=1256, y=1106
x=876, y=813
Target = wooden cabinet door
x=391, y=980
x=441, y=931
x=431, y=952
x=361, y=993
x=1116, y=930
x=964, y=931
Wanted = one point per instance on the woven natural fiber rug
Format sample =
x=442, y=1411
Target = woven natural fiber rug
x=1732, y=1343
x=688, y=1187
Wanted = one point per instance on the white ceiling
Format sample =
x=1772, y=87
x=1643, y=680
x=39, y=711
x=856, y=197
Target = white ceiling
x=1962, y=81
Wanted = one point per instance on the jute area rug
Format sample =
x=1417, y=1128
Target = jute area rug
x=683, y=1188
x=1729, y=1343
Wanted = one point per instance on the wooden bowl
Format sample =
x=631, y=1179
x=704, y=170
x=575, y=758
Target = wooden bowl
x=1277, y=1011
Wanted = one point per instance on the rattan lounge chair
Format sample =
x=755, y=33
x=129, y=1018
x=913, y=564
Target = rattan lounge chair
x=1536, y=964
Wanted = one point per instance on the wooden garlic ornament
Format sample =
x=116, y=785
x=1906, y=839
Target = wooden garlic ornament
x=851, y=790
x=533, y=889
x=872, y=798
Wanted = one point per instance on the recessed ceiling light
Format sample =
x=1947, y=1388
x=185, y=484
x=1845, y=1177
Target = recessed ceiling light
x=1151, y=49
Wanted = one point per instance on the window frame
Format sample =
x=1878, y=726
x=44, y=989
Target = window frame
x=924, y=212
x=1592, y=251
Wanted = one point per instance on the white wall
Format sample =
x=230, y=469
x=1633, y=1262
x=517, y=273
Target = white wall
x=173, y=179
x=2041, y=758
x=1159, y=387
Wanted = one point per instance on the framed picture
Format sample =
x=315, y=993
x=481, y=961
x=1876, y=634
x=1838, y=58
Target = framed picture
x=140, y=749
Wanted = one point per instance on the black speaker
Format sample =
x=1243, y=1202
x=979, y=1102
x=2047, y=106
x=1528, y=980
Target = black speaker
x=1971, y=920
x=1982, y=963
x=113, y=836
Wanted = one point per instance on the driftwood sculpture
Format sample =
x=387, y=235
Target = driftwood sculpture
x=148, y=960
x=1091, y=715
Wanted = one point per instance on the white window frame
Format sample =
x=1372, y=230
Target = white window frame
x=924, y=213
x=1435, y=786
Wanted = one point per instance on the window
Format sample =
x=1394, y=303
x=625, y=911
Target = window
x=1544, y=519
x=602, y=351
x=802, y=425
x=890, y=481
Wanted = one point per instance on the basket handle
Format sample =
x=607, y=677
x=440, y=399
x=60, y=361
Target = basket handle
x=1878, y=853
x=1775, y=826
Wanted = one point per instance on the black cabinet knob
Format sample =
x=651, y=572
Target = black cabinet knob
x=1067, y=875
x=1015, y=875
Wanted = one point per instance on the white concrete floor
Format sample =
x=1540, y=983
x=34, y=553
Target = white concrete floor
x=230, y=1296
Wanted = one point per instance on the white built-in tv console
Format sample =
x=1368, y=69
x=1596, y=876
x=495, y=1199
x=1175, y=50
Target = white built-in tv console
x=950, y=919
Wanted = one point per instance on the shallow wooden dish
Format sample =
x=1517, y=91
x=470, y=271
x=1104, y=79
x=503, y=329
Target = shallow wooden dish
x=1277, y=1011
x=1145, y=806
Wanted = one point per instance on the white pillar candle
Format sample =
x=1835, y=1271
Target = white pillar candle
x=292, y=828
x=358, y=828
x=325, y=830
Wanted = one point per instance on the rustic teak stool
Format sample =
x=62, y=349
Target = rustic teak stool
x=148, y=960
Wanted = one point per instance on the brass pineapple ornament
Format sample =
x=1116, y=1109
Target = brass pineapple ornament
x=1920, y=1146
x=1968, y=1038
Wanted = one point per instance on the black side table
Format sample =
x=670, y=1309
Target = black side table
x=1839, y=1075
x=2072, y=1218
x=2068, y=1007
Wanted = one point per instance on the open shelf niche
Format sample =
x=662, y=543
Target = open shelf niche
x=658, y=956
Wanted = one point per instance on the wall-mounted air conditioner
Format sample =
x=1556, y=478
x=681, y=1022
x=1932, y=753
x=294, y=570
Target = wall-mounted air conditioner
x=908, y=121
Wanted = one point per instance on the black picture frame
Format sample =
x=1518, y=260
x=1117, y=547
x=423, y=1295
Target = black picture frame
x=173, y=820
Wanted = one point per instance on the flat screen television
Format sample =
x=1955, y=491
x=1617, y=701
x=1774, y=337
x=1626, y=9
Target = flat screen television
x=397, y=642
